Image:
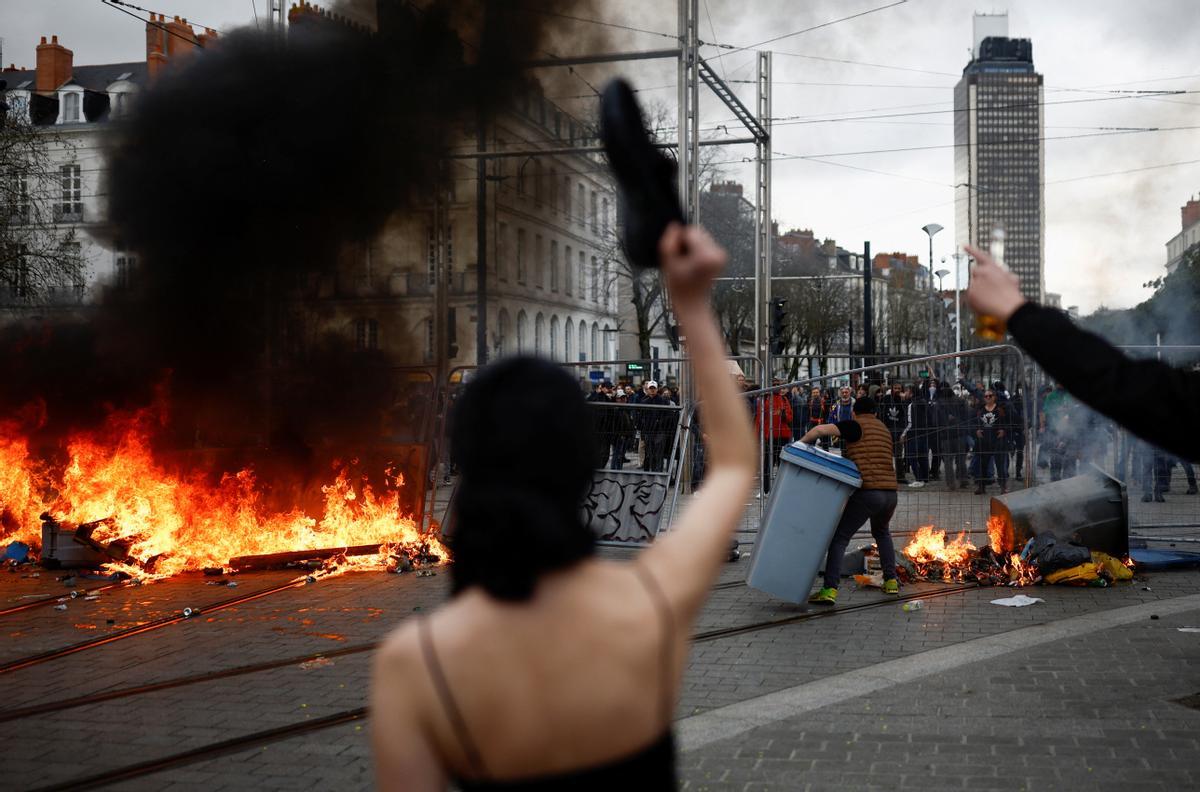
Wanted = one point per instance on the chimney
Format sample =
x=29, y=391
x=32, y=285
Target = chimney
x=156, y=35
x=207, y=38
x=155, y=63
x=181, y=39
x=54, y=62
x=1190, y=213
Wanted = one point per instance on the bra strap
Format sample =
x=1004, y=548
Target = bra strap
x=667, y=624
x=457, y=722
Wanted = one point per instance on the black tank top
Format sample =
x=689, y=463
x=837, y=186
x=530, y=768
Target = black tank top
x=652, y=767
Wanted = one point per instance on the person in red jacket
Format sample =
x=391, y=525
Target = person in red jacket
x=773, y=419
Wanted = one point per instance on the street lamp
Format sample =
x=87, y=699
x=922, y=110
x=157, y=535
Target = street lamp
x=940, y=274
x=930, y=229
x=958, y=256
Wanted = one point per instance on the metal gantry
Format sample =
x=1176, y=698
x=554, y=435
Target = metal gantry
x=762, y=214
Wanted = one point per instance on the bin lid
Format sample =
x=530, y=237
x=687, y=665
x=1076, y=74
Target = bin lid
x=820, y=461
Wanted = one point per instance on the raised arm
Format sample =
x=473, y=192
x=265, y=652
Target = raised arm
x=686, y=560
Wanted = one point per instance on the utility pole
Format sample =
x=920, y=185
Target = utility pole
x=688, y=151
x=441, y=289
x=868, y=346
x=762, y=216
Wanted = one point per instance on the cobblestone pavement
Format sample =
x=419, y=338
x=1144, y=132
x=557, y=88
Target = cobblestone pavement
x=351, y=611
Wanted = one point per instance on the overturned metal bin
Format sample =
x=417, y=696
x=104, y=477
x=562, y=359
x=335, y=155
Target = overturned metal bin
x=1091, y=509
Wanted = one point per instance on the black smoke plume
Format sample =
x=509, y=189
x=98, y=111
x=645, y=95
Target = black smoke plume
x=244, y=173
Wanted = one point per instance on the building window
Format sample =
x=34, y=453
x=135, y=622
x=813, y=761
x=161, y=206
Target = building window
x=566, y=196
x=539, y=262
x=502, y=341
x=568, y=341
x=452, y=332
x=428, y=340
x=125, y=263
x=554, y=266
x=582, y=341
x=567, y=279
x=520, y=255
x=595, y=280
x=604, y=216
x=70, y=112
x=553, y=185
x=582, y=278
x=595, y=341
x=71, y=180
x=19, y=279
x=552, y=349
x=539, y=335
x=581, y=202
x=22, y=208
x=522, y=333
x=366, y=335
x=595, y=212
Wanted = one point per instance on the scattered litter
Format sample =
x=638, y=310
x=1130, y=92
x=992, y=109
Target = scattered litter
x=213, y=571
x=425, y=573
x=316, y=662
x=228, y=583
x=232, y=584
x=16, y=552
x=1189, y=629
x=34, y=575
x=1113, y=566
x=1146, y=588
x=73, y=594
x=915, y=605
x=190, y=612
x=67, y=580
x=92, y=597
x=1154, y=617
x=1019, y=601
x=60, y=607
x=310, y=580
x=874, y=580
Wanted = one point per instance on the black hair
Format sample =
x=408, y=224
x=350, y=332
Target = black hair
x=864, y=405
x=522, y=438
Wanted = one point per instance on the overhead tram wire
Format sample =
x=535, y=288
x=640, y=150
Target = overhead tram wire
x=112, y=4
x=831, y=22
x=162, y=14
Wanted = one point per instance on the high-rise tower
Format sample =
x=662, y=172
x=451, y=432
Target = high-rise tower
x=999, y=159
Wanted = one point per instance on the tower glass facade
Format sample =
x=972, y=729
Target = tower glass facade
x=999, y=158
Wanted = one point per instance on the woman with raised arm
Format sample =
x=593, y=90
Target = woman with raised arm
x=551, y=668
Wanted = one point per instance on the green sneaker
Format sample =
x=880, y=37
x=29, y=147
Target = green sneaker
x=826, y=596
x=891, y=586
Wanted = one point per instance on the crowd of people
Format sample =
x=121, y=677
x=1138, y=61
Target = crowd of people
x=636, y=429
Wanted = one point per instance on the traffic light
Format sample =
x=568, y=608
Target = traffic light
x=778, y=314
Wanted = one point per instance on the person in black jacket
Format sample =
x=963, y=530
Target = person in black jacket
x=992, y=427
x=893, y=411
x=1141, y=395
x=952, y=420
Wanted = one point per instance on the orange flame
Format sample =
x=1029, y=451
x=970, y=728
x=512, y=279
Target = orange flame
x=182, y=522
x=929, y=545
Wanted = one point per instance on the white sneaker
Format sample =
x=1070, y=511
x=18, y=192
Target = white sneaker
x=916, y=485
x=758, y=496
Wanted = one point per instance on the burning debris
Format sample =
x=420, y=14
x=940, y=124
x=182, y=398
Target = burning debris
x=932, y=556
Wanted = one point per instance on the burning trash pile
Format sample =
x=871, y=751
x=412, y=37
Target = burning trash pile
x=932, y=556
x=111, y=504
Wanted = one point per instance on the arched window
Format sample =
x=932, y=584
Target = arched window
x=595, y=341
x=503, y=343
x=569, y=342
x=566, y=196
x=522, y=333
x=539, y=262
x=553, y=185
x=582, y=281
x=595, y=211
x=539, y=335
x=553, y=348
x=583, y=340
x=70, y=108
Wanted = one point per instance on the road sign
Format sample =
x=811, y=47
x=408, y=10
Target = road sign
x=634, y=367
x=596, y=376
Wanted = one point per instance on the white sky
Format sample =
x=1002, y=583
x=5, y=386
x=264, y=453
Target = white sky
x=1104, y=236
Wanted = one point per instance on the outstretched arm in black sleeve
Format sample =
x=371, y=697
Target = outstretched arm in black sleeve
x=1153, y=400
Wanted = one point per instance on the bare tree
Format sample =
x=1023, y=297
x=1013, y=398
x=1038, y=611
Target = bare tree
x=39, y=250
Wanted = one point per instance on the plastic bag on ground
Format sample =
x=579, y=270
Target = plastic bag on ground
x=874, y=580
x=1019, y=601
x=1079, y=575
x=1051, y=555
x=1114, y=566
